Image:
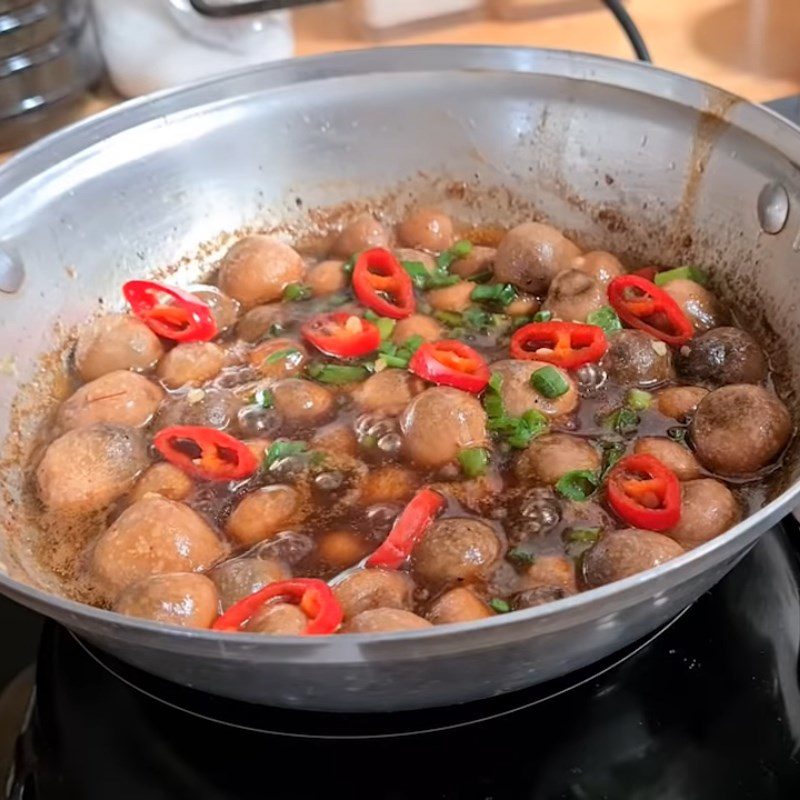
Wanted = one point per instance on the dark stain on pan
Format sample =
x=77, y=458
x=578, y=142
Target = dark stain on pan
x=711, y=125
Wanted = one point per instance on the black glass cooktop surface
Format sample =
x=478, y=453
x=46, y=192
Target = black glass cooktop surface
x=707, y=708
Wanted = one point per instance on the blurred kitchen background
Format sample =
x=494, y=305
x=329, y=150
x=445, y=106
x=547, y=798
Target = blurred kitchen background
x=62, y=60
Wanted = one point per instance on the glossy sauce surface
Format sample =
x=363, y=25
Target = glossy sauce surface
x=340, y=461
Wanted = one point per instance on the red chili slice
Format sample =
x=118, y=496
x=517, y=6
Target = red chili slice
x=314, y=597
x=644, y=493
x=451, y=363
x=342, y=334
x=381, y=283
x=565, y=344
x=407, y=530
x=205, y=452
x=183, y=318
x=643, y=305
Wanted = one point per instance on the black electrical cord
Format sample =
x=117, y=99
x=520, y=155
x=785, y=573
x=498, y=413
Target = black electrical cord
x=629, y=26
x=210, y=9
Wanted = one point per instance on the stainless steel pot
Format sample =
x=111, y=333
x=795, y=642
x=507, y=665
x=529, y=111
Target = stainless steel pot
x=626, y=156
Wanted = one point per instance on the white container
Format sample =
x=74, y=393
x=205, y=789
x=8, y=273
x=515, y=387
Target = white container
x=154, y=44
x=376, y=19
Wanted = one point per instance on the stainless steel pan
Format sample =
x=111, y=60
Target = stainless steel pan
x=640, y=161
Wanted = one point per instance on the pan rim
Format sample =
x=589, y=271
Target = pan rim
x=763, y=123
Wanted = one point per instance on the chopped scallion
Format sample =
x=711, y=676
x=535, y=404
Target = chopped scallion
x=264, y=398
x=296, y=292
x=612, y=452
x=436, y=280
x=516, y=431
x=385, y=327
x=349, y=265
x=543, y=316
x=419, y=275
x=677, y=434
x=549, y=382
x=499, y=605
x=279, y=355
x=450, y=318
x=520, y=558
x=583, y=535
x=284, y=449
x=625, y=421
x=605, y=318
x=337, y=374
x=639, y=400
x=502, y=293
x=477, y=319
x=460, y=249
x=681, y=274
x=578, y=485
x=474, y=461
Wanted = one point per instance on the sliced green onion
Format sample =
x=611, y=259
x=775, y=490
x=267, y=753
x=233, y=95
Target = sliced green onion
x=423, y=279
x=337, y=374
x=583, y=535
x=605, y=318
x=499, y=605
x=549, y=382
x=295, y=292
x=677, y=434
x=520, y=558
x=394, y=355
x=639, y=400
x=480, y=277
x=284, y=449
x=625, y=421
x=436, y=280
x=518, y=322
x=479, y=320
x=681, y=274
x=502, y=293
x=350, y=264
x=412, y=344
x=450, y=318
x=496, y=381
x=418, y=273
x=279, y=355
x=474, y=461
x=493, y=405
x=612, y=452
x=516, y=431
x=264, y=398
x=536, y=423
x=460, y=249
x=578, y=485
x=385, y=327
x=543, y=316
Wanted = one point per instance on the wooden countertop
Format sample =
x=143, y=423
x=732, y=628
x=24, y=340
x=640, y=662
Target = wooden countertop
x=749, y=47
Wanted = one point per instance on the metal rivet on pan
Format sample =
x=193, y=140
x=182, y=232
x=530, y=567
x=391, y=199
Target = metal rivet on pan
x=12, y=273
x=773, y=207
